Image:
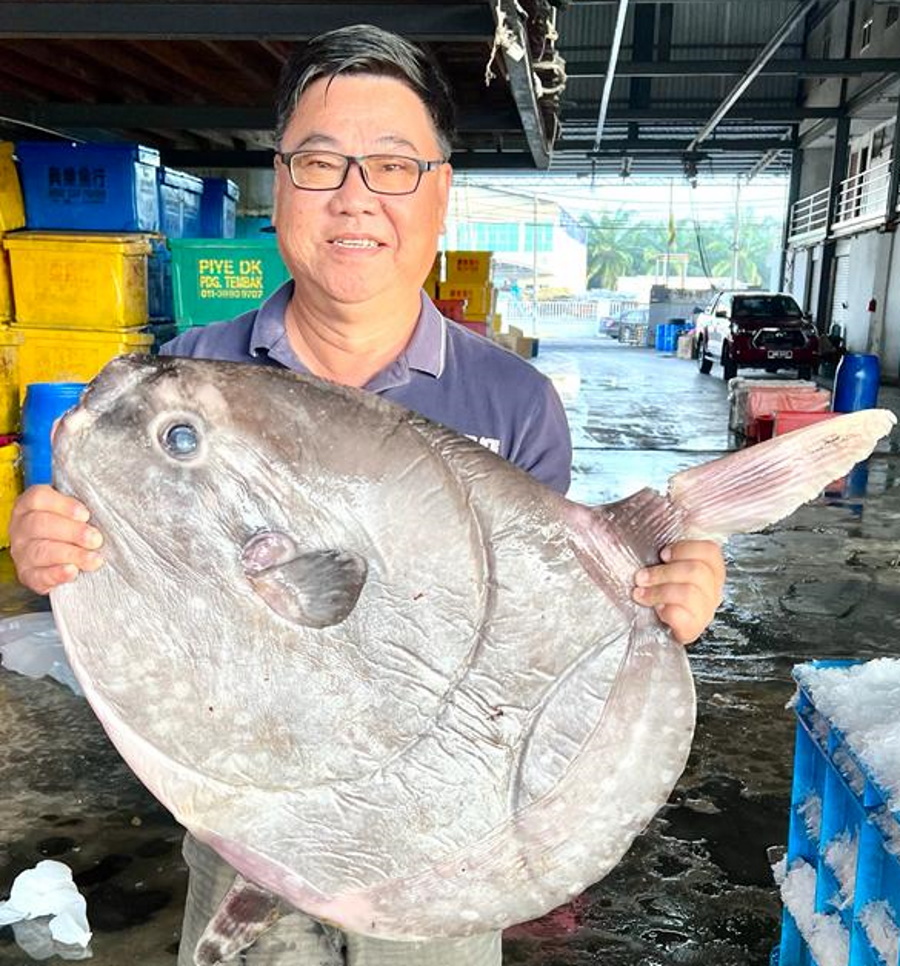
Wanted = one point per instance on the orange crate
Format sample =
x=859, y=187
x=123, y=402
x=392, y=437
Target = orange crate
x=787, y=420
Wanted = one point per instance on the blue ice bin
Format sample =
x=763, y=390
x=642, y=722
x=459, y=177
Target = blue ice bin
x=843, y=842
x=218, y=208
x=44, y=403
x=94, y=187
x=180, y=197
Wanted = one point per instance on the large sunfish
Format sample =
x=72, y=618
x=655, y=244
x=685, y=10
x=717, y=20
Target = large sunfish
x=387, y=675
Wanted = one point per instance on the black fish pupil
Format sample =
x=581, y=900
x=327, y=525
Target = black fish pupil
x=181, y=440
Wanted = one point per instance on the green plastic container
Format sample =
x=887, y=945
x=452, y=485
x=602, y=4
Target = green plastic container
x=214, y=279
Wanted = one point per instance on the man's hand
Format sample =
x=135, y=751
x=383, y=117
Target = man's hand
x=686, y=588
x=51, y=541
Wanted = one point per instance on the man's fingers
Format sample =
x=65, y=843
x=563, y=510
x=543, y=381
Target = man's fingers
x=44, y=538
x=44, y=580
x=46, y=499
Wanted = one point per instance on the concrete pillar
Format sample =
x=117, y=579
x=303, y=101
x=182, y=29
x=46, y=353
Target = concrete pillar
x=838, y=171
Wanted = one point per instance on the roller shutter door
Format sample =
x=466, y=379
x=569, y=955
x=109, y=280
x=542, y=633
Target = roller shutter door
x=841, y=292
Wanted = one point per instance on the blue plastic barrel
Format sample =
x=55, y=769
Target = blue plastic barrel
x=856, y=383
x=45, y=402
x=660, y=338
x=672, y=331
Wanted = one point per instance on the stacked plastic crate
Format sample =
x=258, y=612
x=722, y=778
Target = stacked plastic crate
x=79, y=269
x=218, y=276
x=468, y=279
x=12, y=217
x=840, y=881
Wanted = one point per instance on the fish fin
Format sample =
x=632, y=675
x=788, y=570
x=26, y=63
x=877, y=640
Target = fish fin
x=317, y=588
x=762, y=484
x=245, y=913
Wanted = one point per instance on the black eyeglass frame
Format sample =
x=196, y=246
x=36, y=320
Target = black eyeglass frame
x=286, y=156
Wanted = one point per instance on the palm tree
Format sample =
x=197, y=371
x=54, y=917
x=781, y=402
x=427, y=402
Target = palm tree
x=610, y=247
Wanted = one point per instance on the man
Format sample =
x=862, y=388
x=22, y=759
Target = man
x=361, y=190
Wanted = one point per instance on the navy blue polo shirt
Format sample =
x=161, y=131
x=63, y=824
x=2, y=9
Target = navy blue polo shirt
x=446, y=373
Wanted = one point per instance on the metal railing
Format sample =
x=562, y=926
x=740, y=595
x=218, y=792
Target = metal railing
x=809, y=216
x=864, y=196
x=862, y=200
x=572, y=316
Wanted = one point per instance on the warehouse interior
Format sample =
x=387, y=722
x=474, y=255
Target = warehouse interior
x=606, y=93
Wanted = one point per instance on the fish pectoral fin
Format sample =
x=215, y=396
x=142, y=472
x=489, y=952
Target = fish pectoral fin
x=318, y=588
x=245, y=913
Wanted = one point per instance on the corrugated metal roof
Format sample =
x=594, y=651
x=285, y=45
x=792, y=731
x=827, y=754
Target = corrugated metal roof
x=721, y=40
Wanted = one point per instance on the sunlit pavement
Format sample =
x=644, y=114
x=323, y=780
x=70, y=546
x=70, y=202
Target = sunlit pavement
x=696, y=887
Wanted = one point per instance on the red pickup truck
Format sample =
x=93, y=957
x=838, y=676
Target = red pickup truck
x=756, y=330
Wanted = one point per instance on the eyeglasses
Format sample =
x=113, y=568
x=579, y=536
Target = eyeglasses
x=385, y=174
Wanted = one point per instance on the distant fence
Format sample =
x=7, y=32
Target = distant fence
x=559, y=317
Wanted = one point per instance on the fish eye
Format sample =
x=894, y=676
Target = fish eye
x=180, y=440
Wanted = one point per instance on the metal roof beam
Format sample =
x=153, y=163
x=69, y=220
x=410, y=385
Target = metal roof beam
x=475, y=119
x=780, y=36
x=723, y=68
x=461, y=160
x=512, y=45
x=675, y=145
x=696, y=112
x=236, y=21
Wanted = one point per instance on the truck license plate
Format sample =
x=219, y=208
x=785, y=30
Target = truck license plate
x=780, y=354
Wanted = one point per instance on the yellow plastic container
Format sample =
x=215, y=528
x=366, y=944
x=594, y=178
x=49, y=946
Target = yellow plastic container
x=12, y=210
x=70, y=355
x=10, y=487
x=470, y=268
x=10, y=408
x=6, y=302
x=79, y=280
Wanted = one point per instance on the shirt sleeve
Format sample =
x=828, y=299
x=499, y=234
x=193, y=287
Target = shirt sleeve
x=544, y=447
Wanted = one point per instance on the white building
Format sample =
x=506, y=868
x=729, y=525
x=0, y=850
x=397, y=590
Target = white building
x=536, y=242
x=842, y=263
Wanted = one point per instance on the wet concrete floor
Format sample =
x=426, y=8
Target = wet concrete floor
x=695, y=888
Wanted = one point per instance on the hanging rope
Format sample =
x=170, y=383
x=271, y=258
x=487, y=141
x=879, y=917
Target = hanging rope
x=505, y=39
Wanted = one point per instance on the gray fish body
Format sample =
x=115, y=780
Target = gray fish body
x=383, y=672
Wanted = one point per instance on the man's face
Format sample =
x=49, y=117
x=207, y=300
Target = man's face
x=350, y=245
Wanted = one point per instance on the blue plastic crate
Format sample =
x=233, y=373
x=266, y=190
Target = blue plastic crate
x=218, y=208
x=180, y=197
x=93, y=187
x=843, y=845
x=160, y=303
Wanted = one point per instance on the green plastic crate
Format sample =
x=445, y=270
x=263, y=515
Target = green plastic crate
x=214, y=279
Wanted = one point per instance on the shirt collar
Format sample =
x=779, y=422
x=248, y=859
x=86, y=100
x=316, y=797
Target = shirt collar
x=425, y=352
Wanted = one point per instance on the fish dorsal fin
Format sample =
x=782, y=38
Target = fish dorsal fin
x=757, y=486
x=243, y=915
x=317, y=588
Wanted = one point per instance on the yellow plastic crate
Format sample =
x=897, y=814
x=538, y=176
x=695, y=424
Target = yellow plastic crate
x=6, y=302
x=70, y=355
x=10, y=487
x=478, y=297
x=12, y=210
x=79, y=280
x=10, y=408
x=470, y=268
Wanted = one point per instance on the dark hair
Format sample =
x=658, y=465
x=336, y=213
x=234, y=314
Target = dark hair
x=364, y=49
